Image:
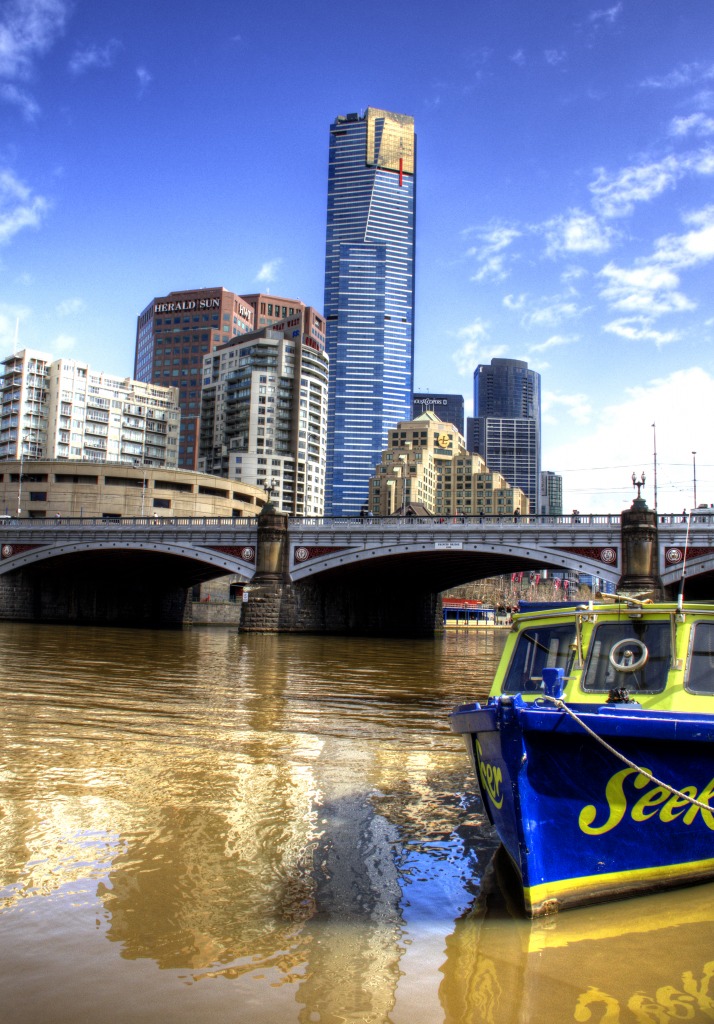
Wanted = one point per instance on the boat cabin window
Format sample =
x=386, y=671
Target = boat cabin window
x=700, y=674
x=539, y=647
x=643, y=664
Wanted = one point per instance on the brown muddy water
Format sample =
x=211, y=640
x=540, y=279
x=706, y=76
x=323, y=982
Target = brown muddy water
x=200, y=827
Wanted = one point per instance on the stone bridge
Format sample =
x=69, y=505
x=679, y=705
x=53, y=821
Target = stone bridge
x=338, y=575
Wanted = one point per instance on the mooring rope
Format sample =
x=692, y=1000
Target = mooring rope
x=631, y=764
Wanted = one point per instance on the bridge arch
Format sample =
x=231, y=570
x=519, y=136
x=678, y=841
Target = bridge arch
x=699, y=581
x=449, y=565
x=201, y=562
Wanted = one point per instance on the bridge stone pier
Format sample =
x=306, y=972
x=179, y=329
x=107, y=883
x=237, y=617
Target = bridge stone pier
x=349, y=576
x=368, y=599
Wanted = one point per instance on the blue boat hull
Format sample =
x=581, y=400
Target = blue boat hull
x=579, y=824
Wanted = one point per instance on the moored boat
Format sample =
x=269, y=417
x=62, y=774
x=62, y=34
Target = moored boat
x=595, y=751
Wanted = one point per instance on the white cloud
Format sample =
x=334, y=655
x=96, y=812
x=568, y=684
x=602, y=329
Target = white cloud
x=64, y=343
x=554, y=57
x=692, y=248
x=269, y=270
x=695, y=124
x=550, y=313
x=493, y=268
x=609, y=14
x=19, y=208
x=490, y=250
x=69, y=307
x=597, y=462
x=473, y=349
x=515, y=302
x=684, y=75
x=576, y=232
x=27, y=30
x=554, y=341
x=616, y=196
x=94, y=57
x=571, y=275
x=648, y=289
x=577, y=407
x=145, y=79
x=640, y=329
x=652, y=287
x=19, y=98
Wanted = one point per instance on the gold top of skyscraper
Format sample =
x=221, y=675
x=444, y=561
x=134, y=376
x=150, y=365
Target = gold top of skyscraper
x=395, y=143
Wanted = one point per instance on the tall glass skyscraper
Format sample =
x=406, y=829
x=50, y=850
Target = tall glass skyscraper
x=369, y=295
x=506, y=427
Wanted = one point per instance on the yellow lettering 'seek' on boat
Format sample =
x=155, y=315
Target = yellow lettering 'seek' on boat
x=491, y=778
x=656, y=801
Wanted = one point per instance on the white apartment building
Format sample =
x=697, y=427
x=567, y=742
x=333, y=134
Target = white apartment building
x=23, y=405
x=264, y=412
x=62, y=409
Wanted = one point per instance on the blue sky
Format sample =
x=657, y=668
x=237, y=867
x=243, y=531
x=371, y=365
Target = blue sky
x=565, y=203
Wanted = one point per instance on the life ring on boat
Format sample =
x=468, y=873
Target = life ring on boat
x=624, y=655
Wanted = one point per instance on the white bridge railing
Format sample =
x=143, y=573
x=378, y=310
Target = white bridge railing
x=703, y=518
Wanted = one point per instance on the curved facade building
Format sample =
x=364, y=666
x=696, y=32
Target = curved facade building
x=506, y=425
x=40, y=489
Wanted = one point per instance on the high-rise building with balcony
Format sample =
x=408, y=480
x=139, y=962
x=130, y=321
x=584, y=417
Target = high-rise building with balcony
x=176, y=331
x=264, y=411
x=23, y=405
x=63, y=409
x=369, y=295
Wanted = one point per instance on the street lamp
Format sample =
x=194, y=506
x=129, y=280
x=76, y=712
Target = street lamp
x=694, y=469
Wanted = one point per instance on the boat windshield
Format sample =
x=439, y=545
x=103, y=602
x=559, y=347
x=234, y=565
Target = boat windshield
x=700, y=674
x=539, y=647
x=631, y=654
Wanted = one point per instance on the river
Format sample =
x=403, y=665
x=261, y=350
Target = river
x=202, y=826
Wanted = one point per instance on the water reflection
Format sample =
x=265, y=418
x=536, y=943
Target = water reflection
x=205, y=826
x=240, y=804
x=644, y=961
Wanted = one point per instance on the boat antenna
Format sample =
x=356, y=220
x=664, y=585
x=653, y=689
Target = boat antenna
x=680, y=595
